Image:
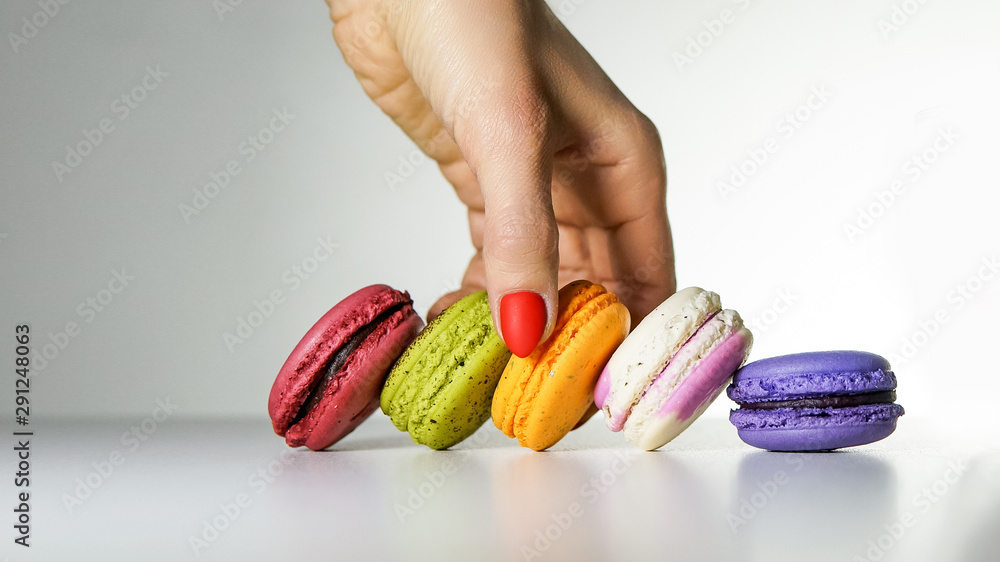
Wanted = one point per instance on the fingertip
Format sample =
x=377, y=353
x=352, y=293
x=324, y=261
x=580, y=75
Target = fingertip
x=523, y=320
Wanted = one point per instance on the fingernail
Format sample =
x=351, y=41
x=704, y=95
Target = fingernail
x=522, y=321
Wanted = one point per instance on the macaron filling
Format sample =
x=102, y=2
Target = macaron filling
x=708, y=377
x=334, y=367
x=602, y=389
x=842, y=401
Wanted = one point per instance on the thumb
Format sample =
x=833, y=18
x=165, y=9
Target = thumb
x=510, y=155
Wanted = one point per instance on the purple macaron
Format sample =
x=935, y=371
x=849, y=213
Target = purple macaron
x=815, y=401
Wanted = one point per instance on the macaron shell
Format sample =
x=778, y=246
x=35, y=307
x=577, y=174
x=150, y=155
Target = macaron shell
x=802, y=375
x=815, y=429
x=463, y=405
x=816, y=362
x=441, y=389
x=517, y=373
x=305, y=363
x=354, y=394
x=543, y=397
x=414, y=356
x=348, y=397
x=648, y=349
x=813, y=375
x=566, y=390
x=667, y=410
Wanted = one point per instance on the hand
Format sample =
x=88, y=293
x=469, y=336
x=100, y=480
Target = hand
x=564, y=179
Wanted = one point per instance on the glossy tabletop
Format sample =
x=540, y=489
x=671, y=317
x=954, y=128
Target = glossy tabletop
x=180, y=489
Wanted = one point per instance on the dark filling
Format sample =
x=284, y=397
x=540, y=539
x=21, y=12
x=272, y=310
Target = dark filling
x=842, y=401
x=337, y=360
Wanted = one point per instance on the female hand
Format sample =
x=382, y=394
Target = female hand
x=564, y=179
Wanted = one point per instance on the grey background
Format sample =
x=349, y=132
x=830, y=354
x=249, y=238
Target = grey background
x=324, y=176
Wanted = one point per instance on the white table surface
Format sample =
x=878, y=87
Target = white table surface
x=378, y=496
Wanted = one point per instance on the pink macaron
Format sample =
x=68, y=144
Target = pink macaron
x=332, y=380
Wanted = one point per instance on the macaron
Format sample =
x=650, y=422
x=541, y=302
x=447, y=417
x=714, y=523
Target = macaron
x=543, y=396
x=332, y=380
x=671, y=367
x=815, y=401
x=440, y=389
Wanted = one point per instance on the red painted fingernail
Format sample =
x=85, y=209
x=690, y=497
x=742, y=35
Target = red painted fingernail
x=522, y=320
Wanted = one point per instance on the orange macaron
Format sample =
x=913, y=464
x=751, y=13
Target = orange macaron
x=540, y=398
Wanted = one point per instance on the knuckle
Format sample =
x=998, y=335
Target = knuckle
x=651, y=150
x=648, y=132
x=518, y=238
x=527, y=112
x=515, y=117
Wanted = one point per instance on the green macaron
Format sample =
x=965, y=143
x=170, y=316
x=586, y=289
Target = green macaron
x=441, y=388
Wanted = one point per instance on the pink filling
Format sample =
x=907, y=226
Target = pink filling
x=702, y=384
x=670, y=372
x=602, y=389
x=706, y=379
x=616, y=419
